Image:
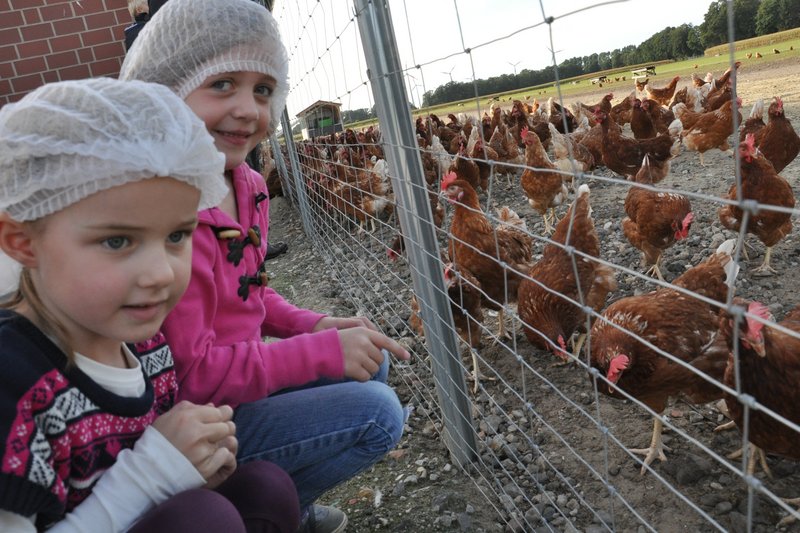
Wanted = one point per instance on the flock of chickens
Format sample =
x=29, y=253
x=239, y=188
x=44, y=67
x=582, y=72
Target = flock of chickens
x=651, y=346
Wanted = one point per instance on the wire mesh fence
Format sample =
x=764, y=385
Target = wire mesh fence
x=491, y=241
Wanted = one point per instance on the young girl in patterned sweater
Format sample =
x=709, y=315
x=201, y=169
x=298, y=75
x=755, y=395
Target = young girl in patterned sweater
x=226, y=60
x=100, y=182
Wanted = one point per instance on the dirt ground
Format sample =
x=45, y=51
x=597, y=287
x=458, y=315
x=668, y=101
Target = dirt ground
x=545, y=464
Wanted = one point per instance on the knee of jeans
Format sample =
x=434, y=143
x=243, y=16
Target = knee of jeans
x=263, y=489
x=389, y=418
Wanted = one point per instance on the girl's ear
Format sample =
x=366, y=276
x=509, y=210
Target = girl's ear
x=16, y=242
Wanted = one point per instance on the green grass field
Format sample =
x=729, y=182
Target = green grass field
x=573, y=86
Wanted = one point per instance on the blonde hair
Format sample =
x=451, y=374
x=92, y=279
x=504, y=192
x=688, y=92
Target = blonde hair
x=138, y=6
x=27, y=293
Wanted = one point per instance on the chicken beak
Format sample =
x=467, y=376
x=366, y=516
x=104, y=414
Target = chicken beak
x=758, y=346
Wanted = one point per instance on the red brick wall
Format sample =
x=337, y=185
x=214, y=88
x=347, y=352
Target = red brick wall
x=54, y=40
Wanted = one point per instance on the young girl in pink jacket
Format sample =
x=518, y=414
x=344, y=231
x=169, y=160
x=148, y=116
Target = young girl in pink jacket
x=226, y=60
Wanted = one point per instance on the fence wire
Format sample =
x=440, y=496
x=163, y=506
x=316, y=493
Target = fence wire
x=551, y=442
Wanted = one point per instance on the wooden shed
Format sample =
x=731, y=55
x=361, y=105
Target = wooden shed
x=320, y=118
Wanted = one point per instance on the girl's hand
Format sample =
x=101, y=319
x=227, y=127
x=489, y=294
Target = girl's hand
x=202, y=433
x=362, y=351
x=330, y=322
x=228, y=468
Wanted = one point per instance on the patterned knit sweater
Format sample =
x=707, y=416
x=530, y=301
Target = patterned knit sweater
x=59, y=430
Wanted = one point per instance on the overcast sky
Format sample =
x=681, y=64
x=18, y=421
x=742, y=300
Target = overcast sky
x=326, y=62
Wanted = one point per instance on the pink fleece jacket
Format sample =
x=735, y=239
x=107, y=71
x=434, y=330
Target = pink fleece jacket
x=216, y=335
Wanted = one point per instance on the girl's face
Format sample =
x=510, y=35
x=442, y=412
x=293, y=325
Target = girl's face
x=110, y=267
x=235, y=107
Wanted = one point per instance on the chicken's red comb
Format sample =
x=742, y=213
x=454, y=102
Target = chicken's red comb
x=760, y=310
x=616, y=366
x=687, y=219
x=524, y=133
x=447, y=179
x=750, y=142
x=448, y=271
x=779, y=101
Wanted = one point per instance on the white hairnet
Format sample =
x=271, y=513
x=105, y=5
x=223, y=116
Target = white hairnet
x=188, y=41
x=68, y=140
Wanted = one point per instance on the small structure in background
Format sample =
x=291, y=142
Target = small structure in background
x=320, y=118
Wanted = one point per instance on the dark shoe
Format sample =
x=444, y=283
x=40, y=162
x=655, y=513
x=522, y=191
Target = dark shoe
x=323, y=519
x=274, y=250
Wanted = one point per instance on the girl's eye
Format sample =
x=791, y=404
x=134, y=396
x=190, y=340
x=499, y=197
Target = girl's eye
x=264, y=90
x=177, y=237
x=221, y=85
x=115, y=243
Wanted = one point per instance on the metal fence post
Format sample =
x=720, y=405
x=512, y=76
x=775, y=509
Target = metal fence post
x=280, y=166
x=298, y=184
x=394, y=116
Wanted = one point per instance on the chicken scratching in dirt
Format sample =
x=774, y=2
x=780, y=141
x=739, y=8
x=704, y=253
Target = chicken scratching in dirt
x=761, y=183
x=673, y=322
x=662, y=95
x=495, y=255
x=656, y=220
x=546, y=294
x=769, y=371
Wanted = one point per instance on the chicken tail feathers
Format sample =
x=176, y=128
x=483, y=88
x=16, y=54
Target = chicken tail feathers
x=731, y=267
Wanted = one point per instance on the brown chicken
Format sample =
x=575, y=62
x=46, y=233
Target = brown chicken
x=779, y=142
x=621, y=113
x=642, y=125
x=760, y=182
x=544, y=189
x=559, y=114
x=676, y=323
x=624, y=155
x=661, y=116
x=769, y=370
x=566, y=150
x=754, y=123
x=655, y=220
x=711, y=130
x=466, y=169
x=480, y=248
x=662, y=95
x=551, y=319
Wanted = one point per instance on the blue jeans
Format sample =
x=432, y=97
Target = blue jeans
x=323, y=433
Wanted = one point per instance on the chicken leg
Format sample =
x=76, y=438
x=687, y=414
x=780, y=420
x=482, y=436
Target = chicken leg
x=656, y=449
x=765, y=269
x=755, y=456
x=655, y=269
x=786, y=520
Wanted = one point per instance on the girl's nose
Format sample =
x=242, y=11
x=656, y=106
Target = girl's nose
x=157, y=269
x=246, y=107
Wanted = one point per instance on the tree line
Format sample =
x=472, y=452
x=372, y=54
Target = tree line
x=752, y=18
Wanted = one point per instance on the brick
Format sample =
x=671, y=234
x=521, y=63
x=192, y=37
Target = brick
x=78, y=72
x=100, y=20
x=11, y=20
x=10, y=36
x=95, y=37
x=85, y=55
x=24, y=4
x=5, y=6
x=8, y=53
x=108, y=51
x=52, y=13
x=37, y=31
x=32, y=16
x=24, y=84
x=30, y=66
x=68, y=26
x=3, y=101
x=107, y=67
x=67, y=42
x=62, y=59
x=36, y=48
x=17, y=96
x=87, y=7
x=6, y=71
x=50, y=76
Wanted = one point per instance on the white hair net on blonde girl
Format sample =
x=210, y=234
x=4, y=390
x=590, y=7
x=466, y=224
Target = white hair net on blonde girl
x=188, y=41
x=68, y=140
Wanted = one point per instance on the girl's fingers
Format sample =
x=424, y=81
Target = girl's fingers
x=382, y=341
